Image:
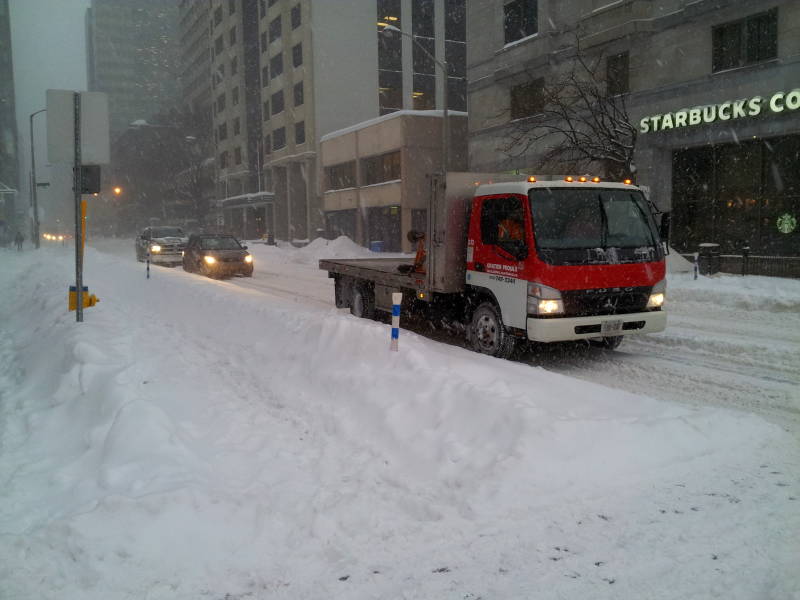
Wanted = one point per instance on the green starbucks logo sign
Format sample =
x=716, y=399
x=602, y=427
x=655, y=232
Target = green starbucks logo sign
x=787, y=223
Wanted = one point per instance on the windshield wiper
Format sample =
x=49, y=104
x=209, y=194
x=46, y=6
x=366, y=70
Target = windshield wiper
x=603, y=222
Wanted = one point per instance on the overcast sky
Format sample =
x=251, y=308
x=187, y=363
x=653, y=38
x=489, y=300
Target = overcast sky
x=49, y=49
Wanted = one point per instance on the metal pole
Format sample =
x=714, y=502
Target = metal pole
x=34, y=200
x=78, y=229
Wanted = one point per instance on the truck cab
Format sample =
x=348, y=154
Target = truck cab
x=562, y=260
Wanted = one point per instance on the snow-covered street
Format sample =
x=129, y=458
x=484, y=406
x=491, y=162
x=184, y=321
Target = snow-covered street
x=243, y=439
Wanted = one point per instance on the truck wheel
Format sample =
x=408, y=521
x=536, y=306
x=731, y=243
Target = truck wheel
x=487, y=333
x=608, y=342
x=362, y=304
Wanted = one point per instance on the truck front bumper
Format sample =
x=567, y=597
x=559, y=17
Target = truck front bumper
x=581, y=328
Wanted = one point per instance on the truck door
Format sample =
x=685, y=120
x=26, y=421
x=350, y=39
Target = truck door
x=499, y=246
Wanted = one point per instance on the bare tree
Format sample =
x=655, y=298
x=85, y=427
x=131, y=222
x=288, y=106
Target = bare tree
x=580, y=124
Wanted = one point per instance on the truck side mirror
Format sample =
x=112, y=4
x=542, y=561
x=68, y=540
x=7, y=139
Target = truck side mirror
x=663, y=230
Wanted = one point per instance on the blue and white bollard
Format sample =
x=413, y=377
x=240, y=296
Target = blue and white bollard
x=148, y=264
x=397, y=299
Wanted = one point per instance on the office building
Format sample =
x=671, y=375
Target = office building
x=321, y=67
x=132, y=55
x=712, y=89
x=9, y=161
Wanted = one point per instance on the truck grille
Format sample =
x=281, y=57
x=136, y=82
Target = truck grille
x=608, y=301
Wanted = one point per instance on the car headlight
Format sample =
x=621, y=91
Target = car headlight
x=210, y=260
x=544, y=300
x=155, y=248
x=657, y=295
x=248, y=258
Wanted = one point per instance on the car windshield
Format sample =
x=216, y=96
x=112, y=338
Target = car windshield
x=161, y=232
x=220, y=243
x=574, y=218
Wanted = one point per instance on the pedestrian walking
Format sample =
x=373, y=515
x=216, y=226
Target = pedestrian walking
x=18, y=240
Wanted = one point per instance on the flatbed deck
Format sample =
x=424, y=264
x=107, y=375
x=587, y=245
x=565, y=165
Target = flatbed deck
x=379, y=270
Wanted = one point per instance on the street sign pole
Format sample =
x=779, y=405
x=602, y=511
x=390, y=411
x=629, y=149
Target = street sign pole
x=77, y=182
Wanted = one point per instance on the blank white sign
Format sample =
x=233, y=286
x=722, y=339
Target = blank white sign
x=95, y=147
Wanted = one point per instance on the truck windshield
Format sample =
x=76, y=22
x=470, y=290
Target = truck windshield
x=593, y=226
x=161, y=232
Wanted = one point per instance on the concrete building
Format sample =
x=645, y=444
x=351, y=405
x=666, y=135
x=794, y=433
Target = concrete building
x=132, y=55
x=9, y=161
x=321, y=66
x=375, y=175
x=711, y=87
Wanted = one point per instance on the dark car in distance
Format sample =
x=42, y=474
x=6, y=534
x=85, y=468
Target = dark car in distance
x=217, y=255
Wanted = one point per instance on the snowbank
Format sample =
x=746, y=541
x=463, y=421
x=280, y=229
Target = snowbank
x=193, y=440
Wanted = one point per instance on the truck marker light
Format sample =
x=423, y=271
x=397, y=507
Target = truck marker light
x=531, y=179
x=582, y=179
x=569, y=179
x=627, y=181
x=596, y=179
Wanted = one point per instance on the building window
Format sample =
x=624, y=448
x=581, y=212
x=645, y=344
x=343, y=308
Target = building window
x=222, y=132
x=422, y=18
x=297, y=55
x=390, y=91
x=223, y=160
x=377, y=169
x=617, y=74
x=520, y=19
x=276, y=65
x=300, y=133
x=262, y=7
x=298, y=94
x=237, y=128
x=237, y=155
x=275, y=29
x=455, y=53
x=235, y=96
x=264, y=76
x=455, y=20
x=233, y=36
x=231, y=6
x=264, y=42
x=279, y=138
x=265, y=110
x=341, y=176
x=423, y=60
x=234, y=65
x=527, y=99
x=424, y=94
x=296, y=16
x=218, y=16
x=745, y=42
x=277, y=102
x=267, y=144
x=219, y=45
x=221, y=102
x=272, y=2
x=457, y=93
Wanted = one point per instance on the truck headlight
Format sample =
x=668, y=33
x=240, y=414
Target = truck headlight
x=155, y=248
x=210, y=260
x=544, y=300
x=248, y=258
x=657, y=295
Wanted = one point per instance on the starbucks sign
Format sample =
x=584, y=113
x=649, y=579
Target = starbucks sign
x=787, y=223
x=744, y=108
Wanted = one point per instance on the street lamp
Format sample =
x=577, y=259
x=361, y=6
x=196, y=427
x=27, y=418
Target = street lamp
x=443, y=66
x=33, y=183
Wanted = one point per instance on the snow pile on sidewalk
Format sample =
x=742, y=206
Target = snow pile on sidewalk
x=191, y=440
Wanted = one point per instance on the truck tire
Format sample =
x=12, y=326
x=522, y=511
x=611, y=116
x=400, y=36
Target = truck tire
x=362, y=304
x=607, y=343
x=341, y=293
x=487, y=334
